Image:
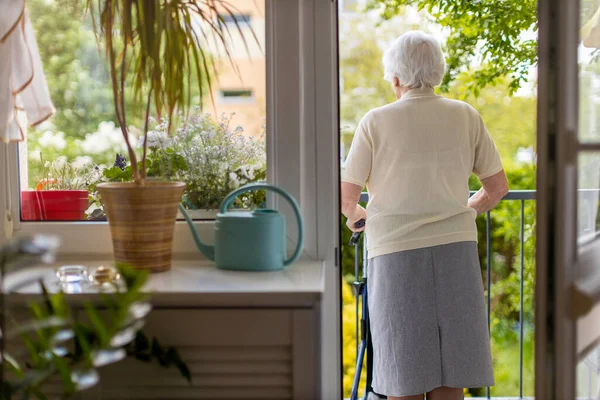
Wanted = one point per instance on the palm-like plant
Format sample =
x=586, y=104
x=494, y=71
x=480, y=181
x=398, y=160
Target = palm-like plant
x=156, y=47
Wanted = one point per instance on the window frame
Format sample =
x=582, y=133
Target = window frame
x=302, y=157
x=233, y=100
x=242, y=19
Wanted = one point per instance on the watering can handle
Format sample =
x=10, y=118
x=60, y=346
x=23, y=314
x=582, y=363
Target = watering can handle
x=263, y=186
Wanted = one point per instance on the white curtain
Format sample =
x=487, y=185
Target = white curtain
x=24, y=97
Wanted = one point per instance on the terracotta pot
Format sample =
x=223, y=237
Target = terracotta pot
x=142, y=221
x=54, y=205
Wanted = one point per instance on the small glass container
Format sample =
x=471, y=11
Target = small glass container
x=103, y=275
x=72, y=274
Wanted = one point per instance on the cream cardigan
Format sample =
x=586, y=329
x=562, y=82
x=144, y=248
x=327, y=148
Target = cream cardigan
x=416, y=156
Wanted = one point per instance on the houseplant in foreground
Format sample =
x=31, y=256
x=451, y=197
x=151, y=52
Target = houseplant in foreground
x=57, y=343
x=153, y=47
x=61, y=193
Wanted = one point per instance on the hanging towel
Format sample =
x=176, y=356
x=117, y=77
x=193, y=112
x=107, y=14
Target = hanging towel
x=24, y=97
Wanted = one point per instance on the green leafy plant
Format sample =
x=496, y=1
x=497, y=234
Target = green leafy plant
x=57, y=344
x=155, y=47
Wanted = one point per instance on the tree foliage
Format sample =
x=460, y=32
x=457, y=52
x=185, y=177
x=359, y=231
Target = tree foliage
x=488, y=40
x=74, y=69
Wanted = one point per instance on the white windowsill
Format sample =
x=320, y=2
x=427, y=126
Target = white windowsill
x=201, y=284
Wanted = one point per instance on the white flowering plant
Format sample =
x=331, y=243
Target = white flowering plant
x=61, y=174
x=210, y=157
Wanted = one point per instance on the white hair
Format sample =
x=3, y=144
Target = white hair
x=416, y=59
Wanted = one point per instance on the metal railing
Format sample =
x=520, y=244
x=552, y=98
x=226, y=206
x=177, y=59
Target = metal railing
x=514, y=195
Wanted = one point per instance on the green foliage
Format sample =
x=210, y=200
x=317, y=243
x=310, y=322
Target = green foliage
x=116, y=174
x=72, y=348
x=361, y=74
x=487, y=40
x=74, y=69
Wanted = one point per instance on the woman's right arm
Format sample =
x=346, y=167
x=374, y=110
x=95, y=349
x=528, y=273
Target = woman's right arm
x=488, y=167
x=493, y=189
x=355, y=174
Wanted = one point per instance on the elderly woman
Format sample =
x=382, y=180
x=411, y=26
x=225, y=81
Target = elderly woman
x=415, y=156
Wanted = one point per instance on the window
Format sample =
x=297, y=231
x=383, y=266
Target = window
x=294, y=91
x=240, y=19
x=236, y=96
x=297, y=94
x=81, y=145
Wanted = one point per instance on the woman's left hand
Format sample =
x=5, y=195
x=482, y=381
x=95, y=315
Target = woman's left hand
x=357, y=215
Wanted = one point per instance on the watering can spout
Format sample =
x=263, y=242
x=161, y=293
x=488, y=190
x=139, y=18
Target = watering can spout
x=208, y=251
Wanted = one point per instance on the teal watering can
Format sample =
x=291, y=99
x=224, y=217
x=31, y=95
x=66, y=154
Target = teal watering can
x=250, y=240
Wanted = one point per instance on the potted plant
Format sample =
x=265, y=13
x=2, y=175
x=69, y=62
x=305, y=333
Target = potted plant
x=62, y=192
x=212, y=159
x=155, y=48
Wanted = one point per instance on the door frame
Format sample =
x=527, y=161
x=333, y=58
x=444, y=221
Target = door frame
x=566, y=278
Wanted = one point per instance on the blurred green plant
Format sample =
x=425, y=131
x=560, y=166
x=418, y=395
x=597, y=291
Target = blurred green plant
x=57, y=344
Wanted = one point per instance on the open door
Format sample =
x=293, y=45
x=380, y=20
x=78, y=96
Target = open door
x=568, y=230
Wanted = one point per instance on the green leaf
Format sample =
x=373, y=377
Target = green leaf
x=39, y=395
x=50, y=322
x=59, y=305
x=65, y=373
x=97, y=322
x=134, y=278
x=141, y=343
x=174, y=358
x=83, y=344
x=32, y=348
x=13, y=365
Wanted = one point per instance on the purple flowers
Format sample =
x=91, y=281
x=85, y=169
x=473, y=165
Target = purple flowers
x=120, y=162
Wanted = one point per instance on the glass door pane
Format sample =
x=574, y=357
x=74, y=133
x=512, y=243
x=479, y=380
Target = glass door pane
x=588, y=224
x=588, y=376
x=588, y=189
x=589, y=71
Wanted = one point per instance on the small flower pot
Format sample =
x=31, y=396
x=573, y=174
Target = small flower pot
x=142, y=221
x=54, y=205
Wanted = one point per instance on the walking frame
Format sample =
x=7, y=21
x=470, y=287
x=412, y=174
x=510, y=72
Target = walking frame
x=366, y=345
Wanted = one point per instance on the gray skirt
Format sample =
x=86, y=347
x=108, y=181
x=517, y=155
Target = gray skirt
x=428, y=320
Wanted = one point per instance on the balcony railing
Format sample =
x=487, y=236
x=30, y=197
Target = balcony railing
x=517, y=195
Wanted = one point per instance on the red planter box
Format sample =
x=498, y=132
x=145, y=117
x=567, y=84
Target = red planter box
x=54, y=205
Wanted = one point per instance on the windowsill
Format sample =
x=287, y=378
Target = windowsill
x=200, y=284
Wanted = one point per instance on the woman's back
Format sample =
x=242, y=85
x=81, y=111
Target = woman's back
x=416, y=156
x=426, y=307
